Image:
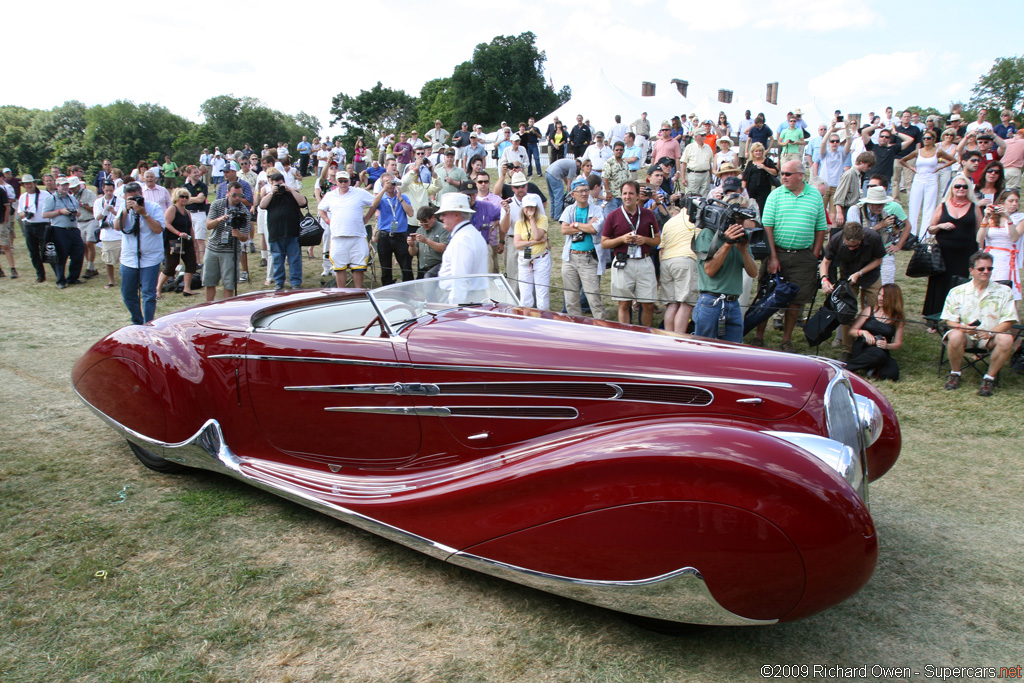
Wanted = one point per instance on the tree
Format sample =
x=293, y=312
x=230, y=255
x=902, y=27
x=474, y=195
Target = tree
x=1001, y=88
x=233, y=121
x=125, y=133
x=373, y=112
x=16, y=148
x=437, y=102
x=504, y=81
x=58, y=135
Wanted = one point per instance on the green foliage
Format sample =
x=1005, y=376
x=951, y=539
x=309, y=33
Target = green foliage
x=504, y=80
x=1001, y=88
x=233, y=121
x=437, y=102
x=16, y=144
x=925, y=112
x=372, y=112
x=58, y=135
x=126, y=133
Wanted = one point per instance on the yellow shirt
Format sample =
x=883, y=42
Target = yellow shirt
x=676, y=237
x=522, y=231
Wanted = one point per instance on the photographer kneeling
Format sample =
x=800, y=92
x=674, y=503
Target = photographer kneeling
x=227, y=227
x=142, y=250
x=723, y=256
x=283, y=204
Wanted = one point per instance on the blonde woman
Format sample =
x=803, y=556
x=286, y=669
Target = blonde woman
x=759, y=175
x=534, y=257
x=178, y=243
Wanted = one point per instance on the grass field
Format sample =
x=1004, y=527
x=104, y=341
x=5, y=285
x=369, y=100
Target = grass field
x=110, y=572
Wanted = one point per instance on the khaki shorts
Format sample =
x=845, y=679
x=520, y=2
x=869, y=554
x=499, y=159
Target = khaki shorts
x=219, y=266
x=110, y=252
x=7, y=233
x=635, y=281
x=801, y=268
x=679, y=280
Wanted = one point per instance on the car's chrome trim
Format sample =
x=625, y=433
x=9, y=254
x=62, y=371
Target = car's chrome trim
x=870, y=418
x=489, y=412
x=621, y=391
x=680, y=595
x=515, y=371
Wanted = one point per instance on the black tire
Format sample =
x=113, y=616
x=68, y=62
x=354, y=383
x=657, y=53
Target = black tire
x=155, y=462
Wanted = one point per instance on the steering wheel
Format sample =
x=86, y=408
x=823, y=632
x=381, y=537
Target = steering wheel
x=396, y=307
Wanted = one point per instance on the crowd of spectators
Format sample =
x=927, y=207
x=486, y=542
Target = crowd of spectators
x=829, y=200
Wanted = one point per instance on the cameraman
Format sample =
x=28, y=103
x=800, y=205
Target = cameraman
x=283, y=205
x=62, y=211
x=141, y=223
x=720, y=277
x=226, y=224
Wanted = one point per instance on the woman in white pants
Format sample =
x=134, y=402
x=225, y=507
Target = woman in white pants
x=924, y=190
x=531, y=243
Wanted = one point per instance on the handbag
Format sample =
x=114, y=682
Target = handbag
x=926, y=260
x=49, y=247
x=311, y=232
x=773, y=296
x=840, y=308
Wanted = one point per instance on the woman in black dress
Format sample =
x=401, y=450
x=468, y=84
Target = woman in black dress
x=178, y=244
x=955, y=225
x=877, y=331
x=758, y=176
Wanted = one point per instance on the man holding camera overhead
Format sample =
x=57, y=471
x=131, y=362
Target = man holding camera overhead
x=141, y=223
x=722, y=259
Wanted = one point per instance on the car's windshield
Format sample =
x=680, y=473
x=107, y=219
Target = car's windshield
x=405, y=301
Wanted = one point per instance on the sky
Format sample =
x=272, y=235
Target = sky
x=855, y=55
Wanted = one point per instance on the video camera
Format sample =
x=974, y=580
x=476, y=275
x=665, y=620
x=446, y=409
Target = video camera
x=714, y=214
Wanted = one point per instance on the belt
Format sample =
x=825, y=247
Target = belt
x=726, y=297
x=792, y=251
x=689, y=170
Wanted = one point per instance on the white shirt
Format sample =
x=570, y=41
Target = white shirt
x=218, y=165
x=108, y=234
x=339, y=155
x=617, y=133
x=515, y=208
x=978, y=127
x=509, y=156
x=345, y=211
x=323, y=157
x=35, y=202
x=598, y=156
x=466, y=254
x=152, y=244
x=292, y=179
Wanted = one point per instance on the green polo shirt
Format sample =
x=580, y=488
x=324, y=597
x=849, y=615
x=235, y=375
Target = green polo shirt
x=791, y=135
x=794, y=218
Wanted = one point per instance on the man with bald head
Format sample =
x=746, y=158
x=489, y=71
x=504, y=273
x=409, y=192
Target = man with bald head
x=795, y=227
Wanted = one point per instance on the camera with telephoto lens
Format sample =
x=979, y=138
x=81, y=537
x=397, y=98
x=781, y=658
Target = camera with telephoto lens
x=238, y=218
x=717, y=215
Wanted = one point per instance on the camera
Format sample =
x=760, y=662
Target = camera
x=29, y=214
x=647, y=191
x=717, y=215
x=281, y=189
x=238, y=220
x=579, y=236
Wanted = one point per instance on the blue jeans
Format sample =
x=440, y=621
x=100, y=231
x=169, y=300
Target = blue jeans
x=532, y=152
x=556, y=190
x=707, y=313
x=130, y=280
x=287, y=249
x=613, y=203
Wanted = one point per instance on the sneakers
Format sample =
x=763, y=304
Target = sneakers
x=757, y=342
x=14, y=273
x=987, y=386
x=243, y=276
x=953, y=383
x=788, y=347
x=263, y=263
x=845, y=357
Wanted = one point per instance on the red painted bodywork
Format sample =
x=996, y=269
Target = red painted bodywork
x=625, y=491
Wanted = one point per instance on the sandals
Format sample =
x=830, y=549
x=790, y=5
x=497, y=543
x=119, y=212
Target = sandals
x=109, y=285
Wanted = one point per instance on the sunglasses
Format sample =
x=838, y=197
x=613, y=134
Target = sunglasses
x=959, y=187
x=343, y=180
x=927, y=137
x=786, y=174
x=834, y=142
x=885, y=137
x=984, y=269
x=992, y=170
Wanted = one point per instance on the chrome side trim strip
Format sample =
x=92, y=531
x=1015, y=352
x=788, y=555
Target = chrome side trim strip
x=680, y=595
x=454, y=411
x=514, y=371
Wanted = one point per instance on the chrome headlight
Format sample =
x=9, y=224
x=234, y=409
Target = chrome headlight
x=870, y=419
x=840, y=457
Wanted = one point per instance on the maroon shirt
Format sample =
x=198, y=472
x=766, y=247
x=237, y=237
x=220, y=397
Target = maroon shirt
x=616, y=224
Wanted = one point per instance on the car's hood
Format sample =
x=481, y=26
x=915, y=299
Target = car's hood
x=521, y=340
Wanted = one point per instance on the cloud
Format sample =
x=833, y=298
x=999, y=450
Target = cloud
x=875, y=75
x=790, y=15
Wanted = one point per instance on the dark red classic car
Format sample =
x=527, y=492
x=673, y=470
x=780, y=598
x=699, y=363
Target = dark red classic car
x=669, y=477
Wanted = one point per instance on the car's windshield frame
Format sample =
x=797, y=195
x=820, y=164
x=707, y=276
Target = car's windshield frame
x=403, y=302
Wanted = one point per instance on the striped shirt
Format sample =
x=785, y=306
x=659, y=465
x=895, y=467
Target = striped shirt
x=794, y=218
